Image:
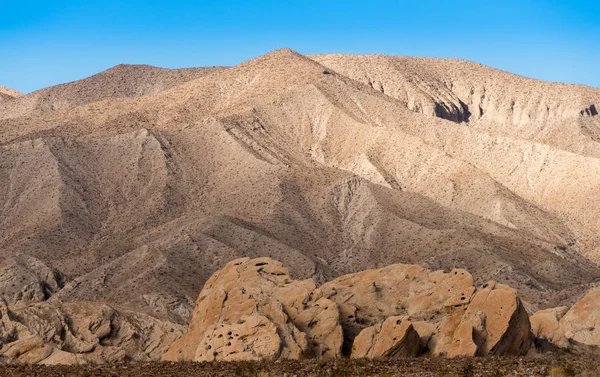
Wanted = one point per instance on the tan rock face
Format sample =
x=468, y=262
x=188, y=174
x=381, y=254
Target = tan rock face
x=468, y=322
x=545, y=324
x=369, y=297
x=506, y=320
x=321, y=323
x=77, y=333
x=250, y=338
x=261, y=288
x=581, y=323
x=395, y=337
x=494, y=322
x=253, y=310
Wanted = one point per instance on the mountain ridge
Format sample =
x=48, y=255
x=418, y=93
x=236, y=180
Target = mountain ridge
x=292, y=157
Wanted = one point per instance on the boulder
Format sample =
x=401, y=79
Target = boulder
x=456, y=318
x=507, y=327
x=258, y=288
x=321, y=323
x=469, y=336
x=252, y=337
x=545, y=326
x=395, y=337
x=369, y=297
x=581, y=324
x=253, y=310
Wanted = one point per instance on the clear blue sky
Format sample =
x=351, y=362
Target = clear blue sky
x=43, y=43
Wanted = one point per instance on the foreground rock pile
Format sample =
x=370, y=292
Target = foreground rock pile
x=253, y=310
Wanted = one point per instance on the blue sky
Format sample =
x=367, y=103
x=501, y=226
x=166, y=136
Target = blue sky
x=44, y=43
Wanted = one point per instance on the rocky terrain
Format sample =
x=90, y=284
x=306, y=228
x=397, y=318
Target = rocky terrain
x=253, y=310
x=129, y=189
x=6, y=94
x=398, y=320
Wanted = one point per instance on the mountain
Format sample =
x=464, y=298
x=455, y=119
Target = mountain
x=6, y=94
x=133, y=186
x=121, y=81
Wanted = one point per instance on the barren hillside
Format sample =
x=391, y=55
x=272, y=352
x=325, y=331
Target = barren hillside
x=118, y=82
x=6, y=94
x=133, y=186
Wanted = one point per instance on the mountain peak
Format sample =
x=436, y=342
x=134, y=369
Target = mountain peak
x=10, y=92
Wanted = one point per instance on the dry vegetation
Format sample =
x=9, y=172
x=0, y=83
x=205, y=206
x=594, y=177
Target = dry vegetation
x=566, y=366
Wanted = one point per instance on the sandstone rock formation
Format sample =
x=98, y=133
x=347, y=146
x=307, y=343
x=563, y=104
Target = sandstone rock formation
x=252, y=309
x=249, y=309
x=79, y=333
x=469, y=321
x=575, y=329
x=395, y=337
x=545, y=325
x=581, y=323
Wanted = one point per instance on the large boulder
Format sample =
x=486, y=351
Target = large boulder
x=545, y=326
x=321, y=323
x=252, y=337
x=576, y=329
x=369, y=297
x=581, y=324
x=494, y=323
x=260, y=292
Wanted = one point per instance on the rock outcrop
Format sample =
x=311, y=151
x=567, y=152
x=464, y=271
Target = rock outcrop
x=545, y=326
x=575, y=329
x=581, y=324
x=468, y=321
x=79, y=333
x=258, y=304
x=253, y=310
x=395, y=337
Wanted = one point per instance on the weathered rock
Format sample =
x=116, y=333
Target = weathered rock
x=395, y=337
x=58, y=357
x=469, y=336
x=369, y=297
x=252, y=337
x=506, y=320
x=545, y=325
x=81, y=332
x=366, y=314
x=247, y=287
x=321, y=323
x=426, y=331
x=581, y=324
x=491, y=320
